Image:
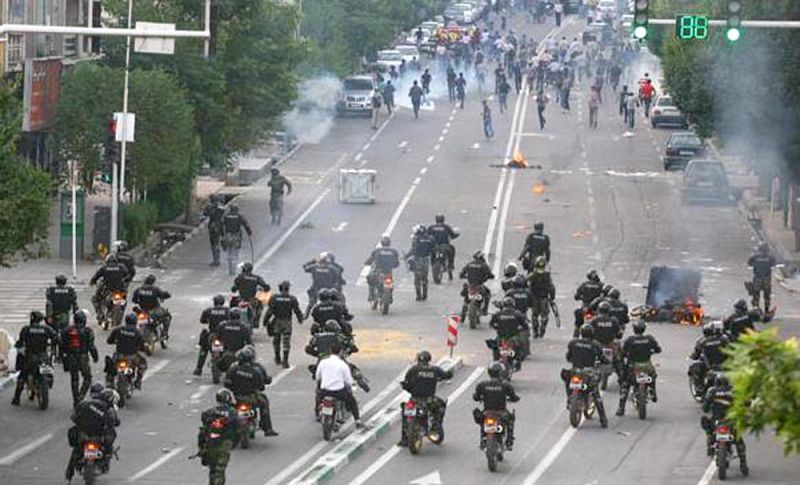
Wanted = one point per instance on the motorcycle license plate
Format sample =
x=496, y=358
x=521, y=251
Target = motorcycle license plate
x=410, y=412
x=246, y=414
x=577, y=386
x=491, y=428
x=608, y=353
x=327, y=411
x=724, y=437
x=217, y=348
x=643, y=379
x=45, y=369
x=118, y=300
x=506, y=352
x=92, y=454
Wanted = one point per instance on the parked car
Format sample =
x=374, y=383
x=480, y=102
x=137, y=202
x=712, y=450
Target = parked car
x=408, y=51
x=389, y=58
x=705, y=181
x=681, y=147
x=356, y=97
x=459, y=12
x=600, y=32
x=664, y=112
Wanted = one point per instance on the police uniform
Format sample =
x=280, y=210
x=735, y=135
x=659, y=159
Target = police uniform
x=215, y=440
x=331, y=310
x=215, y=212
x=636, y=353
x=232, y=225
x=247, y=381
x=543, y=292
x=420, y=381
x=381, y=261
x=113, y=276
x=510, y=325
x=149, y=298
x=762, y=264
x=495, y=394
x=477, y=273
x=211, y=317
x=442, y=234
x=419, y=257
x=279, y=324
x=61, y=299
x=276, y=185
x=586, y=293
x=77, y=344
x=737, y=324
x=35, y=340
x=128, y=341
x=247, y=285
x=536, y=244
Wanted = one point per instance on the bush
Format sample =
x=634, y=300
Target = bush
x=138, y=220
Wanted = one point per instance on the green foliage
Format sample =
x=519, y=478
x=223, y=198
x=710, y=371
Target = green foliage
x=24, y=190
x=765, y=373
x=249, y=81
x=138, y=221
x=687, y=74
x=161, y=160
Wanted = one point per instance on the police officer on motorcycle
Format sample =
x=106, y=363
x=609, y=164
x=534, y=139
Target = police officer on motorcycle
x=278, y=321
x=330, y=308
x=113, y=276
x=381, y=262
x=636, y=352
x=442, y=234
x=419, y=259
x=584, y=353
x=61, y=301
x=149, y=298
x=324, y=275
x=233, y=224
x=619, y=309
x=586, y=293
x=247, y=380
x=94, y=419
x=708, y=350
x=247, y=285
x=607, y=331
x=495, y=393
x=32, y=346
x=215, y=212
x=420, y=381
x=717, y=401
x=218, y=432
x=211, y=318
x=233, y=332
x=740, y=322
x=537, y=244
x=543, y=292
x=129, y=342
x=124, y=257
x=510, y=325
x=477, y=273
x=77, y=344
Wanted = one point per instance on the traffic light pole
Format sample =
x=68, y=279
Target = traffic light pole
x=757, y=24
x=124, y=145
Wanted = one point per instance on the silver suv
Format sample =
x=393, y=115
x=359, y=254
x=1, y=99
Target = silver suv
x=356, y=97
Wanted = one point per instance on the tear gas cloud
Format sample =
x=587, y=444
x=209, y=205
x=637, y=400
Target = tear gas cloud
x=312, y=116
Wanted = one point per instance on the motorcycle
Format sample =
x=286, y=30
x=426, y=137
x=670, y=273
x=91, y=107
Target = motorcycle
x=641, y=394
x=438, y=264
x=418, y=422
x=474, y=303
x=583, y=401
x=724, y=449
x=384, y=292
x=248, y=417
x=508, y=356
x=151, y=331
x=40, y=382
x=123, y=379
x=244, y=307
x=493, y=440
x=115, y=306
x=90, y=463
x=607, y=369
x=332, y=416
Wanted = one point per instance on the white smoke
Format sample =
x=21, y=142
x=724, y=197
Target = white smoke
x=314, y=111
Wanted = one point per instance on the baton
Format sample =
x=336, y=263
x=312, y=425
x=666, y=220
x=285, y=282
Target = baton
x=555, y=313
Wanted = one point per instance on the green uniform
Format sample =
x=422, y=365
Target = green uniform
x=216, y=438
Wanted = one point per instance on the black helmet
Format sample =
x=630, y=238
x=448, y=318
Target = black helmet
x=708, y=329
x=510, y=270
x=332, y=326
x=592, y=275
x=96, y=389
x=111, y=396
x=439, y=218
x=225, y=396
x=587, y=331
x=111, y=259
x=247, y=354
x=80, y=317
x=614, y=294
x=130, y=318
x=247, y=268
x=324, y=294
x=274, y=171
x=538, y=226
x=424, y=357
x=518, y=281
x=540, y=263
x=478, y=255
x=763, y=247
x=607, y=289
x=721, y=380
x=740, y=305
x=219, y=300
x=495, y=369
x=36, y=316
x=331, y=257
x=123, y=245
x=284, y=286
x=639, y=327
x=604, y=307
x=61, y=280
x=419, y=229
x=233, y=208
x=150, y=279
x=508, y=302
x=386, y=241
x=235, y=314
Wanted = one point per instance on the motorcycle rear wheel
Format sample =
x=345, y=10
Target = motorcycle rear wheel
x=42, y=396
x=244, y=439
x=327, y=427
x=722, y=460
x=491, y=453
x=89, y=473
x=437, y=270
x=473, y=315
x=641, y=401
x=414, y=438
x=697, y=395
x=575, y=412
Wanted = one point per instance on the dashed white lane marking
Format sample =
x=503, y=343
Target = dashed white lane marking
x=430, y=159
x=417, y=181
x=277, y=245
x=151, y=371
x=341, y=227
x=709, y=474
x=444, y=132
x=24, y=450
x=358, y=156
x=156, y=464
x=402, y=144
x=437, y=147
x=583, y=154
x=441, y=138
x=550, y=457
x=280, y=375
x=200, y=392
x=363, y=162
x=423, y=170
x=365, y=147
x=451, y=118
x=447, y=125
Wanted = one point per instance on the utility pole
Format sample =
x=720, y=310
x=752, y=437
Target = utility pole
x=123, y=147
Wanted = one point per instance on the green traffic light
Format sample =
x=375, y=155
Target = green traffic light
x=733, y=34
x=640, y=32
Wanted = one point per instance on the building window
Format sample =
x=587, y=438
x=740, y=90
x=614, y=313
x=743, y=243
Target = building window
x=15, y=50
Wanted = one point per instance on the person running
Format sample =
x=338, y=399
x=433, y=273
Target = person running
x=594, y=104
x=541, y=104
x=488, y=129
x=416, y=93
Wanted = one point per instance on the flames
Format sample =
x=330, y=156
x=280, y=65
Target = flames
x=690, y=313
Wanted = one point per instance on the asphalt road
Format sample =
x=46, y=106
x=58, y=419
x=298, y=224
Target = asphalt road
x=606, y=204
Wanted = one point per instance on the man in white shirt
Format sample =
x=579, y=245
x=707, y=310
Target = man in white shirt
x=334, y=379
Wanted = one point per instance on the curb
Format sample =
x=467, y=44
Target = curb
x=330, y=463
x=160, y=260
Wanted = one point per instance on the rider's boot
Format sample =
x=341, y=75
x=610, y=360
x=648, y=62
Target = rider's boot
x=276, y=345
x=266, y=423
x=201, y=361
x=18, y=392
x=425, y=290
x=285, y=361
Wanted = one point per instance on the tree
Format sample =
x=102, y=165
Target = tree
x=24, y=190
x=765, y=373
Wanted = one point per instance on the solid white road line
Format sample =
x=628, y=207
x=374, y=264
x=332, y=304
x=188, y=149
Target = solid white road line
x=501, y=231
x=153, y=370
x=277, y=245
x=394, y=450
x=200, y=392
x=280, y=375
x=709, y=474
x=550, y=457
x=24, y=450
x=358, y=156
x=163, y=459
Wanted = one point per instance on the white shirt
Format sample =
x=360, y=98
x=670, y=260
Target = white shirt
x=333, y=374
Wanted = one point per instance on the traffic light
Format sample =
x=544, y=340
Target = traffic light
x=640, y=18
x=734, y=20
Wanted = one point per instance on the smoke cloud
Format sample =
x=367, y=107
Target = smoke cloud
x=313, y=114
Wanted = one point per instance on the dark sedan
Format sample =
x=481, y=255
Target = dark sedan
x=682, y=147
x=705, y=181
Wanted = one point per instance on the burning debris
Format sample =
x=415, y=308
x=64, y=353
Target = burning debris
x=672, y=295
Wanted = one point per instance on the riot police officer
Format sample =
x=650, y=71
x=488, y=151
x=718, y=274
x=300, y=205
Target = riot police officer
x=330, y=308
x=636, y=353
x=420, y=381
x=442, y=235
x=510, y=325
x=543, y=292
x=61, y=300
x=112, y=276
x=762, y=263
x=32, y=344
x=247, y=380
x=149, y=298
x=740, y=322
x=586, y=293
x=126, y=258
x=129, y=342
x=495, y=393
x=77, y=344
x=537, y=244
x=716, y=402
x=233, y=332
x=509, y=273
x=233, y=224
x=215, y=212
x=324, y=275
x=278, y=321
x=419, y=259
x=217, y=434
x=211, y=317
x=276, y=184
x=247, y=285
x=94, y=418
x=381, y=262
x=477, y=273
